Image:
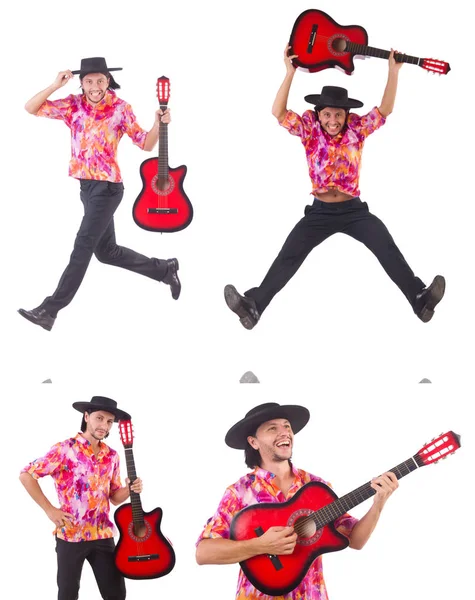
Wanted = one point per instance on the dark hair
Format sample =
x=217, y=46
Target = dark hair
x=113, y=85
x=252, y=457
x=84, y=424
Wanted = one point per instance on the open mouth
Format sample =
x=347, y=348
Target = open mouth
x=284, y=444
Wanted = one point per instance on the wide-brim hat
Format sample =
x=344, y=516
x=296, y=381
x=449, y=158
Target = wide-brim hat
x=334, y=97
x=298, y=417
x=102, y=403
x=96, y=64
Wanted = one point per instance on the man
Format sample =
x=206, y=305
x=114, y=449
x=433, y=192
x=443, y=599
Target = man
x=266, y=434
x=333, y=139
x=98, y=119
x=86, y=476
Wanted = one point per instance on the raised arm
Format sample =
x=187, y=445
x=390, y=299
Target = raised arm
x=384, y=486
x=389, y=96
x=33, y=105
x=220, y=551
x=279, y=108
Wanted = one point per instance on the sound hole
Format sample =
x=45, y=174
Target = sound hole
x=140, y=532
x=162, y=186
x=339, y=44
x=305, y=527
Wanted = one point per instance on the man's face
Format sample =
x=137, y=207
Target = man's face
x=332, y=120
x=274, y=440
x=98, y=424
x=95, y=86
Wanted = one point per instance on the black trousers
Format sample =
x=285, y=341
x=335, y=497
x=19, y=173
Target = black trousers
x=323, y=219
x=96, y=235
x=100, y=555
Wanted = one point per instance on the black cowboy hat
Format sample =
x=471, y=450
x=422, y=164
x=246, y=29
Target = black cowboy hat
x=238, y=434
x=94, y=65
x=102, y=403
x=332, y=96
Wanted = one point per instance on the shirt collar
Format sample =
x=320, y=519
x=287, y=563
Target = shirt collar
x=268, y=476
x=103, y=448
x=106, y=104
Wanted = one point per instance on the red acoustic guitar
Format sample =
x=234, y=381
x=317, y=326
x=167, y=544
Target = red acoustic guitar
x=142, y=551
x=311, y=512
x=162, y=205
x=322, y=43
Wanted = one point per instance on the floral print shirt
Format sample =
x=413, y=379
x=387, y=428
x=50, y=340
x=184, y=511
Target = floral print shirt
x=95, y=133
x=333, y=162
x=258, y=487
x=84, y=483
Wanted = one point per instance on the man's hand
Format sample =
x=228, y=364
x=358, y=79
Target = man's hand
x=384, y=485
x=278, y=540
x=162, y=116
x=136, y=487
x=288, y=60
x=59, y=517
x=62, y=78
x=394, y=66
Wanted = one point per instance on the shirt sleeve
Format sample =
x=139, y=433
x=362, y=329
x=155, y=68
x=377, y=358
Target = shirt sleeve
x=115, y=481
x=219, y=525
x=132, y=128
x=46, y=465
x=297, y=125
x=56, y=109
x=367, y=124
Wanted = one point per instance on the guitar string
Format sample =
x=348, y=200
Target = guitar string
x=319, y=37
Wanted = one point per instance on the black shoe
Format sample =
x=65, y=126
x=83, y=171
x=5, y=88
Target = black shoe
x=38, y=316
x=244, y=307
x=171, y=278
x=428, y=299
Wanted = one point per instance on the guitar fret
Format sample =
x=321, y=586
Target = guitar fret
x=136, y=503
x=327, y=514
x=360, y=49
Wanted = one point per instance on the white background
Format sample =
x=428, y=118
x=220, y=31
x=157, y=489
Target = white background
x=339, y=329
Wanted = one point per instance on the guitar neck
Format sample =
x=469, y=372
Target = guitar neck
x=163, y=148
x=137, y=511
x=336, y=509
x=362, y=50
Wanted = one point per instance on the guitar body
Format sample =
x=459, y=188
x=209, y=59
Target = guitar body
x=162, y=208
x=261, y=571
x=147, y=557
x=320, y=42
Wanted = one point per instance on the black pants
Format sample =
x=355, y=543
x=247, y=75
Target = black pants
x=100, y=555
x=96, y=235
x=323, y=219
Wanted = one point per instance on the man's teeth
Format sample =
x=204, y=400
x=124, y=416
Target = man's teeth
x=283, y=444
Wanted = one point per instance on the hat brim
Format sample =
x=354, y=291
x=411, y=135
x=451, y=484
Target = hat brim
x=120, y=415
x=350, y=103
x=298, y=417
x=86, y=72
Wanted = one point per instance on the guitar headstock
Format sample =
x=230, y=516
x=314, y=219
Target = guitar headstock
x=435, y=66
x=440, y=447
x=163, y=90
x=126, y=433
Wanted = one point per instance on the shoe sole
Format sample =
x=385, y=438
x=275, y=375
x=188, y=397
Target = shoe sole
x=437, y=291
x=28, y=318
x=233, y=300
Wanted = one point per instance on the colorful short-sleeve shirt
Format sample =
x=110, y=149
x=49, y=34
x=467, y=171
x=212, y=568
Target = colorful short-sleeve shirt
x=258, y=487
x=333, y=162
x=84, y=483
x=95, y=133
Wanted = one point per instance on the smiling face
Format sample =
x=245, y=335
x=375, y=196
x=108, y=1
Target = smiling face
x=95, y=86
x=332, y=120
x=274, y=441
x=98, y=425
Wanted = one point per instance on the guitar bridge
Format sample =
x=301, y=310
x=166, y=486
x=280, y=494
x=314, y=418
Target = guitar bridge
x=143, y=558
x=162, y=211
x=311, y=39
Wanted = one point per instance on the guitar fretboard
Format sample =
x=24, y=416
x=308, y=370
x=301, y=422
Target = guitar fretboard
x=163, y=149
x=329, y=513
x=362, y=50
x=137, y=511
